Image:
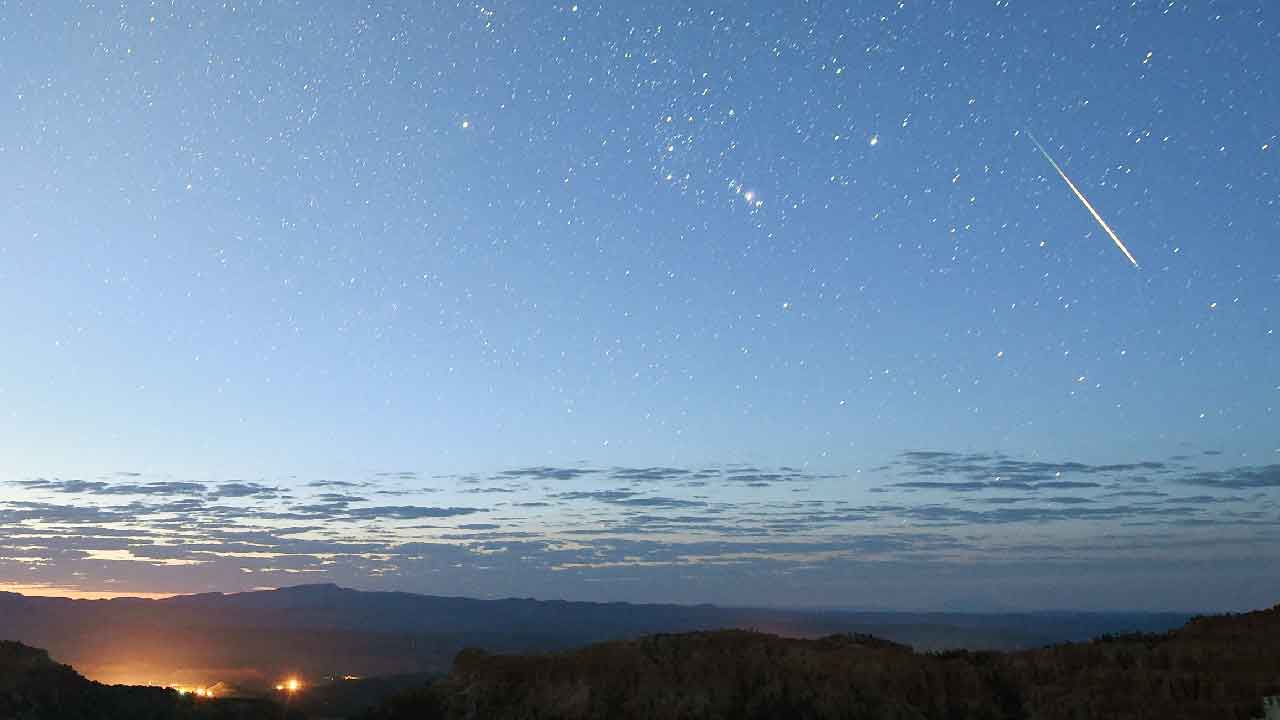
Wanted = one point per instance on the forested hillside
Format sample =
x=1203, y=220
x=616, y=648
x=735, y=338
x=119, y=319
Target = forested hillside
x=1213, y=668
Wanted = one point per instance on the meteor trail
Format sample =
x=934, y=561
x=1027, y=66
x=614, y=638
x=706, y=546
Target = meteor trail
x=1083, y=200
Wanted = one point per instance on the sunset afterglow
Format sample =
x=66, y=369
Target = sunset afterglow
x=40, y=590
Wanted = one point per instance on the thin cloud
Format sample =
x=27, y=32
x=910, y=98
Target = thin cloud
x=546, y=473
x=243, y=489
x=407, y=512
x=1238, y=478
x=87, y=487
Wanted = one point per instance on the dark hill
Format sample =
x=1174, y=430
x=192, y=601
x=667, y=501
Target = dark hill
x=34, y=687
x=1216, y=668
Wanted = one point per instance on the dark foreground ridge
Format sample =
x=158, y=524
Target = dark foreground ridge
x=1215, y=668
x=1219, y=667
x=34, y=687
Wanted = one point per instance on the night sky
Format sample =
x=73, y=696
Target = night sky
x=752, y=303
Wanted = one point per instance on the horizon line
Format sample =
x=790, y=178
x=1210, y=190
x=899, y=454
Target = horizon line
x=62, y=592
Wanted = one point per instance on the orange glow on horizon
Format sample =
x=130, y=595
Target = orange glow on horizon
x=291, y=685
x=198, y=692
x=75, y=594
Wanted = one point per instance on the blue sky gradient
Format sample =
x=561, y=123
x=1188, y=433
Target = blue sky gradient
x=408, y=247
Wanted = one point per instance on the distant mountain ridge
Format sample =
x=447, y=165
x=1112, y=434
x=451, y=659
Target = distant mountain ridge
x=250, y=638
x=328, y=604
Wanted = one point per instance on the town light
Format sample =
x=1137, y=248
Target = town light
x=291, y=685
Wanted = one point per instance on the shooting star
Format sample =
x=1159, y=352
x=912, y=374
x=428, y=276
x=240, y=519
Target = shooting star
x=1084, y=200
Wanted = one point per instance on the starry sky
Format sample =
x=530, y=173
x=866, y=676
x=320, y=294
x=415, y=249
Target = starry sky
x=755, y=303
